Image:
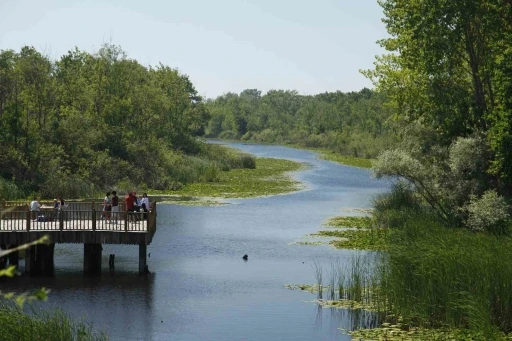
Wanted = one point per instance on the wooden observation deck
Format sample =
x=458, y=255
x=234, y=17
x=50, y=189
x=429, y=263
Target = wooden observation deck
x=79, y=222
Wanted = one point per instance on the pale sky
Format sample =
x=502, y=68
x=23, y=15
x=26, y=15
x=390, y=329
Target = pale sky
x=311, y=46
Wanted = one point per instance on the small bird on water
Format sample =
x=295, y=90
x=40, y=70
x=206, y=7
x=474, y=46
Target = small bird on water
x=245, y=257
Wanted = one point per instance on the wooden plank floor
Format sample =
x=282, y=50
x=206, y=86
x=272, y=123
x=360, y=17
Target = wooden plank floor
x=20, y=225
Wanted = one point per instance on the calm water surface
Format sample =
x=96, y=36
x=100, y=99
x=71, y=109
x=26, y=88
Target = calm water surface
x=200, y=288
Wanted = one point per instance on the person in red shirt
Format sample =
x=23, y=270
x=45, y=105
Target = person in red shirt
x=129, y=204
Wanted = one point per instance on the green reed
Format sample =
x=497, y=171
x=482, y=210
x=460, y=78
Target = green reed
x=56, y=326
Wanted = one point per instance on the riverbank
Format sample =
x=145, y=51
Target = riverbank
x=269, y=177
x=325, y=154
x=348, y=160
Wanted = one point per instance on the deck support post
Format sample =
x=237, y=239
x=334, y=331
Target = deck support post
x=92, y=259
x=143, y=248
x=14, y=256
x=29, y=259
x=39, y=260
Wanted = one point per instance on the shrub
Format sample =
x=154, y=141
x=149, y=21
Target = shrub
x=9, y=190
x=228, y=135
x=488, y=213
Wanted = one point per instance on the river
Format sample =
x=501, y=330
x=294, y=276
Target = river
x=200, y=287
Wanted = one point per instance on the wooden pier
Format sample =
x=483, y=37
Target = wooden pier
x=79, y=222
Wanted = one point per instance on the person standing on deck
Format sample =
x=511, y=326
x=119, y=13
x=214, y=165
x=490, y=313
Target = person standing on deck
x=62, y=205
x=56, y=205
x=115, y=206
x=129, y=204
x=144, y=204
x=35, y=207
x=107, y=207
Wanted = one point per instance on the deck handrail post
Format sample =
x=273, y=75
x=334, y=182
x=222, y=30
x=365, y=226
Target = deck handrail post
x=29, y=217
x=148, y=219
x=125, y=221
x=93, y=218
x=61, y=219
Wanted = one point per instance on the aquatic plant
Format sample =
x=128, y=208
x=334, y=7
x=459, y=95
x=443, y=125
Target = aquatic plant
x=350, y=221
x=360, y=239
x=270, y=177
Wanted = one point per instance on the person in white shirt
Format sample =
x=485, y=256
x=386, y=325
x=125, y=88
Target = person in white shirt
x=144, y=204
x=35, y=207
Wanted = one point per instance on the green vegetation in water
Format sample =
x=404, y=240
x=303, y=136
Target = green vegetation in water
x=399, y=332
x=191, y=201
x=360, y=239
x=304, y=287
x=349, y=221
x=56, y=326
x=270, y=177
x=307, y=242
x=353, y=233
x=345, y=304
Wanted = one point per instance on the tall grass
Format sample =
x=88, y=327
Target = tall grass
x=56, y=326
x=319, y=278
x=348, y=281
x=436, y=276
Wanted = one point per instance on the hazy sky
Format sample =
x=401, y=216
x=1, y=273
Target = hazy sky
x=310, y=46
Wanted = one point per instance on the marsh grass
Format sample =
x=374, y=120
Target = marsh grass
x=350, y=221
x=270, y=177
x=55, y=326
x=360, y=239
x=434, y=277
x=437, y=280
x=319, y=279
x=355, y=232
x=350, y=284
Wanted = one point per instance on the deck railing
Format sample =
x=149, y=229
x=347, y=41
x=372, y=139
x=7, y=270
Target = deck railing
x=76, y=216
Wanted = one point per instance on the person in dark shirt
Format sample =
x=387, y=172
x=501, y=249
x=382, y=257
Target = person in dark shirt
x=115, y=206
x=62, y=205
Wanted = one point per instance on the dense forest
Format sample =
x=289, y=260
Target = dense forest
x=90, y=122
x=355, y=123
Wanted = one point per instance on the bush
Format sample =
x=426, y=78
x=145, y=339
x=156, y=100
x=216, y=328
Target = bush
x=488, y=213
x=9, y=190
x=228, y=135
x=68, y=186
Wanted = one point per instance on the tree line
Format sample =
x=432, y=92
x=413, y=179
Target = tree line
x=95, y=121
x=354, y=123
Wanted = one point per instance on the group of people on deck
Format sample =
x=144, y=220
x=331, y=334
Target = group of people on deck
x=111, y=207
x=58, y=205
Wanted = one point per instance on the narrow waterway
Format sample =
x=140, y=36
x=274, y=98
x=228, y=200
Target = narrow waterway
x=200, y=287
